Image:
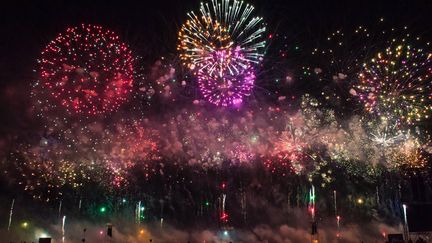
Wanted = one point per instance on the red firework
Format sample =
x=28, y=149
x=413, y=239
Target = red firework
x=285, y=163
x=87, y=70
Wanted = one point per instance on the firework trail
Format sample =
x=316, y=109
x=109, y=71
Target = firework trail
x=63, y=228
x=11, y=213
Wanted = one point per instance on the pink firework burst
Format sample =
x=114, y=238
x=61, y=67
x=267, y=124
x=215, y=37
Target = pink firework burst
x=224, y=79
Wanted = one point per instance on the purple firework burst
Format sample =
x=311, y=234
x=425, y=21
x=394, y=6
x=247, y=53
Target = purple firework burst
x=226, y=78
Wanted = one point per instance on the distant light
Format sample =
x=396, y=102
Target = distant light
x=360, y=201
x=102, y=209
x=225, y=233
x=101, y=232
x=124, y=200
x=142, y=232
x=207, y=203
x=142, y=208
x=24, y=225
x=43, y=235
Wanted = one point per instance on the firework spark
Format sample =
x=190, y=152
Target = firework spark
x=396, y=84
x=220, y=45
x=85, y=70
x=388, y=135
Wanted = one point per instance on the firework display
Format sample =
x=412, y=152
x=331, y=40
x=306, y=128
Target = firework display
x=221, y=45
x=344, y=52
x=285, y=164
x=411, y=155
x=85, y=70
x=396, y=83
x=102, y=155
x=336, y=60
x=340, y=127
x=223, y=83
x=162, y=82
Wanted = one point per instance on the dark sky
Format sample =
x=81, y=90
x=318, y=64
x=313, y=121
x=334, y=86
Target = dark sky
x=150, y=27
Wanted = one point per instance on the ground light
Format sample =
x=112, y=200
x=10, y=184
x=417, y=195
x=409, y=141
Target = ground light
x=43, y=235
x=24, y=225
